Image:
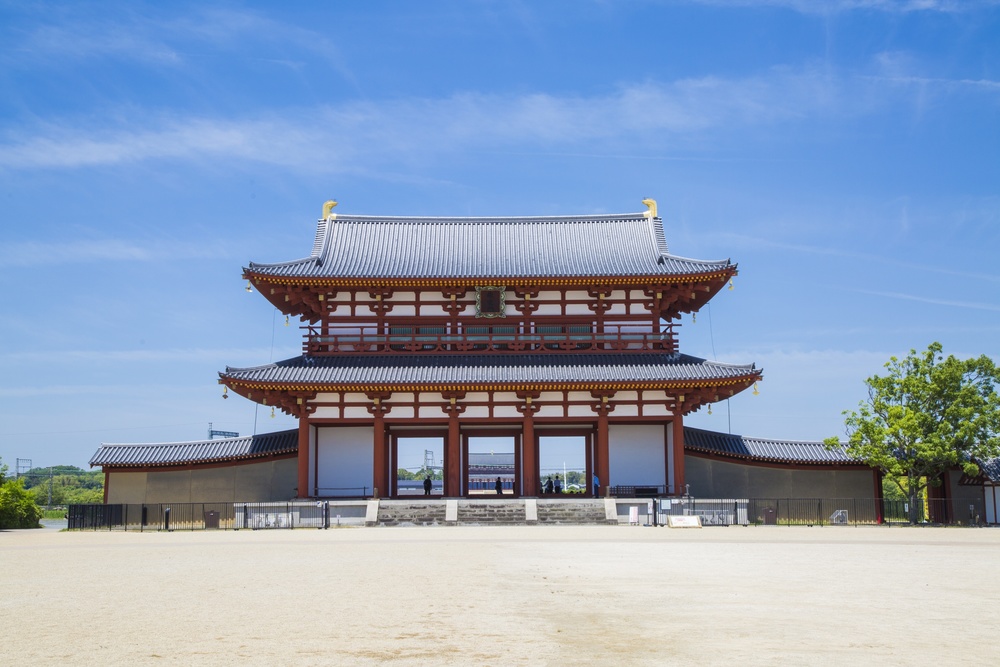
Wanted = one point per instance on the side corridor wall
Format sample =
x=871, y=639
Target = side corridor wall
x=265, y=481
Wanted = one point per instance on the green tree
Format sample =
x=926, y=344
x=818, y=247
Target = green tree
x=17, y=509
x=927, y=415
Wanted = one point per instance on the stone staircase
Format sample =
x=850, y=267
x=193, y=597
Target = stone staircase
x=489, y=512
x=573, y=512
x=411, y=513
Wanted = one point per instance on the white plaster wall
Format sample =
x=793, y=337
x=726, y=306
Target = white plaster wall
x=506, y=412
x=656, y=410
x=578, y=309
x=581, y=411
x=476, y=411
x=345, y=458
x=637, y=454
x=432, y=310
x=356, y=412
x=626, y=411
x=326, y=413
x=399, y=310
x=549, y=411
x=548, y=309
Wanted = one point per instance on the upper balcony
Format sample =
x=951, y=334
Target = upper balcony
x=509, y=338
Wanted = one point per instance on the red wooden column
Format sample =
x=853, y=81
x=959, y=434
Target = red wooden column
x=602, y=464
x=303, y=457
x=678, y=432
x=453, y=448
x=529, y=447
x=380, y=459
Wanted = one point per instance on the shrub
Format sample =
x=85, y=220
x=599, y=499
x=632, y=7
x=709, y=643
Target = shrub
x=17, y=509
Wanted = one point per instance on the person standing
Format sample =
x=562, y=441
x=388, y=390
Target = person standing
x=427, y=485
x=597, y=486
x=499, y=487
x=558, y=485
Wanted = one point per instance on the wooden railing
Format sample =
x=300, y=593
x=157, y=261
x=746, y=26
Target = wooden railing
x=493, y=339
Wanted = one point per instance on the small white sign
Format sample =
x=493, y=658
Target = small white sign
x=633, y=514
x=684, y=521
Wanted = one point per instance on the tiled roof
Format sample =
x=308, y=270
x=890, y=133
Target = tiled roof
x=286, y=442
x=990, y=469
x=201, y=451
x=484, y=369
x=743, y=447
x=356, y=246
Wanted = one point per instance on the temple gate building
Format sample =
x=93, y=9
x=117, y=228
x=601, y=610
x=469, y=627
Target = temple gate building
x=452, y=330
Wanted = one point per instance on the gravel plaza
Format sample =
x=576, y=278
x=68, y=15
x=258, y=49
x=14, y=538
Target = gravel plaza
x=527, y=595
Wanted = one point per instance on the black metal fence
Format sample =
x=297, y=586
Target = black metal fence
x=816, y=511
x=211, y=516
x=653, y=510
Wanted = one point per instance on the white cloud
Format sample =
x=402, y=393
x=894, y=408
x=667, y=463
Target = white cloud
x=136, y=356
x=937, y=302
x=359, y=135
x=32, y=253
x=825, y=7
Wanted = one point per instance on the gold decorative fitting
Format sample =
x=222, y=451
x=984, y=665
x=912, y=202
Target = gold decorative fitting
x=680, y=399
x=328, y=208
x=272, y=413
x=286, y=320
x=249, y=287
x=755, y=392
x=731, y=286
x=224, y=390
x=694, y=318
x=651, y=205
x=709, y=408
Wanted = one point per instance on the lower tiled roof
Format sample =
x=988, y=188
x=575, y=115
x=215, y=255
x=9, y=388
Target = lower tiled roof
x=990, y=469
x=759, y=449
x=113, y=455
x=484, y=369
x=201, y=451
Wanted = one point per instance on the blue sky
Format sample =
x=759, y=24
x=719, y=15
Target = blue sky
x=846, y=154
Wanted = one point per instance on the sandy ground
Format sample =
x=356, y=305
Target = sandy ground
x=528, y=595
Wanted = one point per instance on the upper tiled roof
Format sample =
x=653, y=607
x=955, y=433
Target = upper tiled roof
x=532, y=370
x=200, y=451
x=356, y=246
x=743, y=447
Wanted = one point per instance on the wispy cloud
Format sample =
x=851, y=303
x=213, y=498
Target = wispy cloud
x=155, y=40
x=839, y=6
x=33, y=253
x=359, y=135
x=832, y=251
x=937, y=302
x=137, y=356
